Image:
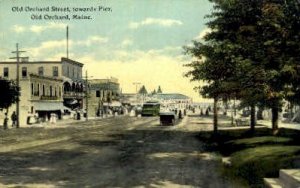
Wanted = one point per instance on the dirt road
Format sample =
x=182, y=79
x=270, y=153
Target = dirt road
x=115, y=152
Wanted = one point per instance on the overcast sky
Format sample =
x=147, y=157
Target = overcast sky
x=137, y=41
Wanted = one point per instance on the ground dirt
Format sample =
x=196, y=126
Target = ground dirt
x=113, y=152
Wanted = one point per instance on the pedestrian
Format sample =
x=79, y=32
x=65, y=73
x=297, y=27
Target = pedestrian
x=14, y=119
x=53, y=118
x=5, y=121
x=207, y=112
x=180, y=114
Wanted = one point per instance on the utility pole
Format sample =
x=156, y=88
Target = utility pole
x=136, y=86
x=17, y=57
x=67, y=41
x=86, y=94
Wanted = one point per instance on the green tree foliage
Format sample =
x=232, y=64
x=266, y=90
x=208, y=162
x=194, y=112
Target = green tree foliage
x=251, y=53
x=9, y=94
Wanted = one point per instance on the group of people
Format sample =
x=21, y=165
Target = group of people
x=14, y=119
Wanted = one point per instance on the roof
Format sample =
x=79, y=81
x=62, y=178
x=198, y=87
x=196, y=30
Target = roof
x=30, y=62
x=166, y=96
x=63, y=59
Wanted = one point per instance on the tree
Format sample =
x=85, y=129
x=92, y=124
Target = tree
x=212, y=66
x=235, y=23
x=9, y=95
x=281, y=52
x=159, y=90
x=254, y=43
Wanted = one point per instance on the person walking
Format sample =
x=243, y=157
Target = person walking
x=5, y=121
x=14, y=119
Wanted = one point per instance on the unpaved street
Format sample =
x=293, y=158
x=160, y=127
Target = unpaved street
x=113, y=152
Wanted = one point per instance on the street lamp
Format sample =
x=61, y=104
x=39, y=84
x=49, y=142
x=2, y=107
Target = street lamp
x=86, y=94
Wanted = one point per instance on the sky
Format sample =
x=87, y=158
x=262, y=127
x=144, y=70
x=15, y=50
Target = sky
x=132, y=40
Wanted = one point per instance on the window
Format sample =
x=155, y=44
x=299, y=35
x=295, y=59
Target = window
x=43, y=90
x=32, y=89
x=24, y=71
x=38, y=90
x=59, y=92
x=73, y=72
x=55, y=71
x=50, y=91
x=5, y=72
x=97, y=93
x=41, y=71
x=68, y=71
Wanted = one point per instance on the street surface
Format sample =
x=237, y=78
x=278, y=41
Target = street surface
x=114, y=152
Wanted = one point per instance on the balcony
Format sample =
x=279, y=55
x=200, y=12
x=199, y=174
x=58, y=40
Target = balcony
x=72, y=95
x=50, y=98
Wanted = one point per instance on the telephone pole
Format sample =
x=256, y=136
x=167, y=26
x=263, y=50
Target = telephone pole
x=17, y=57
x=67, y=36
x=86, y=95
x=136, y=86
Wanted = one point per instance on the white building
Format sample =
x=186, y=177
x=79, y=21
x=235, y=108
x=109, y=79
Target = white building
x=173, y=100
x=44, y=86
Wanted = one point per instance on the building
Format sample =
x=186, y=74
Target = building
x=73, y=83
x=45, y=86
x=173, y=100
x=129, y=98
x=103, y=94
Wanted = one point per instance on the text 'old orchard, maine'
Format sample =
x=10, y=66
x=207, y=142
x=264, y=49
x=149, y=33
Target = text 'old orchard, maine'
x=61, y=13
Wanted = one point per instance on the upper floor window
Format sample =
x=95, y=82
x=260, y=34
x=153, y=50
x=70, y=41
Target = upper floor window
x=68, y=71
x=44, y=92
x=5, y=72
x=55, y=71
x=50, y=91
x=59, y=91
x=24, y=71
x=97, y=93
x=32, y=89
x=38, y=90
x=41, y=71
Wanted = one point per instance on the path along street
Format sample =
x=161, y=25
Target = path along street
x=114, y=152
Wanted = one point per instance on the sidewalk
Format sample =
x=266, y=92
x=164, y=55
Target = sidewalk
x=286, y=125
x=266, y=123
x=64, y=122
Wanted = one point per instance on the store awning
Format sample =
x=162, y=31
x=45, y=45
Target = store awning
x=72, y=102
x=48, y=106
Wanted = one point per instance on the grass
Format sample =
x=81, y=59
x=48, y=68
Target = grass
x=255, y=156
